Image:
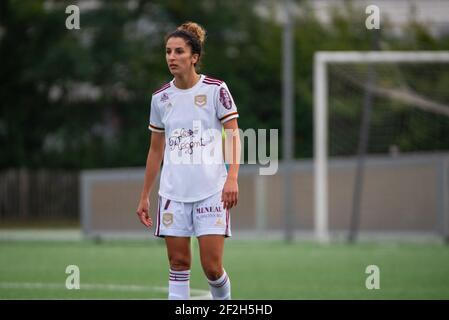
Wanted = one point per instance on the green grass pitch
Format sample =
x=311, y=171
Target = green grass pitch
x=258, y=270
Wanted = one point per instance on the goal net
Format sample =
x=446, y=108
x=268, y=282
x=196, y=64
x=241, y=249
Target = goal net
x=381, y=144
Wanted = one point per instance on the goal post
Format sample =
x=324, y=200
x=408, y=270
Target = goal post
x=322, y=59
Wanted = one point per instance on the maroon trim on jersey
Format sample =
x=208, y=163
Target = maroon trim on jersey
x=156, y=128
x=165, y=86
x=228, y=115
x=211, y=82
x=213, y=79
x=167, y=204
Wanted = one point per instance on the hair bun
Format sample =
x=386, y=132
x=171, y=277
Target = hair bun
x=194, y=28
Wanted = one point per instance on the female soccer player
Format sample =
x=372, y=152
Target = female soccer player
x=196, y=191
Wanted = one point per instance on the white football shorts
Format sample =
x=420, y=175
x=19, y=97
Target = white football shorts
x=186, y=219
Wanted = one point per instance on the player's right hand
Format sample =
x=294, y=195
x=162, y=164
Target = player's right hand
x=143, y=212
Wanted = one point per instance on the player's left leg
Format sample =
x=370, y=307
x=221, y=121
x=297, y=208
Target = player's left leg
x=211, y=255
x=212, y=224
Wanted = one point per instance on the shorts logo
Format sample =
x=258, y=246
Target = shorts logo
x=167, y=219
x=219, y=222
x=201, y=100
x=209, y=209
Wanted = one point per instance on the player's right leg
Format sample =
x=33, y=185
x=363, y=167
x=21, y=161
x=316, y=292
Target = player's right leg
x=174, y=224
x=179, y=258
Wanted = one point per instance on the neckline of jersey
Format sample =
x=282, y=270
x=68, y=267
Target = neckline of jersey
x=202, y=76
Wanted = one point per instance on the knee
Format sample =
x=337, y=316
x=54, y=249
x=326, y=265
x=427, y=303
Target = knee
x=179, y=262
x=212, y=271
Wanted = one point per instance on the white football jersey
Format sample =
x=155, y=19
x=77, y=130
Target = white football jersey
x=192, y=119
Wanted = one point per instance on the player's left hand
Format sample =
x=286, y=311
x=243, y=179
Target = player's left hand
x=230, y=193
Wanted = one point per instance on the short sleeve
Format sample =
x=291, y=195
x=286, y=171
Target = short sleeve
x=155, y=122
x=225, y=105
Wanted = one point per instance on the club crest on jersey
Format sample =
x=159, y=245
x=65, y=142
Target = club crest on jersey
x=164, y=97
x=200, y=100
x=225, y=98
x=167, y=219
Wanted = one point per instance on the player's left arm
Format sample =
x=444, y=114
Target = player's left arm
x=230, y=193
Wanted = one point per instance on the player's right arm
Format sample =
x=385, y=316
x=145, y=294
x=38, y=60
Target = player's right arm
x=154, y=159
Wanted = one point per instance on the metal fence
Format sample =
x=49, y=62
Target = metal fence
x=39, y=194
x=408, y=193
x=402, y=195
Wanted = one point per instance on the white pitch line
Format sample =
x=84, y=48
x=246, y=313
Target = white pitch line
x=197, y=294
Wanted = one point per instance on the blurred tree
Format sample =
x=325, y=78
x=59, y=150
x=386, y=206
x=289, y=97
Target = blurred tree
x=80, y=98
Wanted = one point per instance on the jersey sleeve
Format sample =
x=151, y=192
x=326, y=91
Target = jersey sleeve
x=155, y=122
x=224, y=104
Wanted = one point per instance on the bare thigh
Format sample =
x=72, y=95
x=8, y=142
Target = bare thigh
x=211, y=255
x=178, y=251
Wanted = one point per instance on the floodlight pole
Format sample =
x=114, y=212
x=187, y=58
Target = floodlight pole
x=287, y=118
